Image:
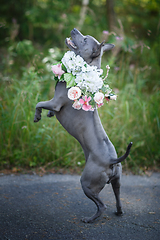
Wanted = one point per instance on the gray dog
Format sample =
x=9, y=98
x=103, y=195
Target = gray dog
x=102, y=165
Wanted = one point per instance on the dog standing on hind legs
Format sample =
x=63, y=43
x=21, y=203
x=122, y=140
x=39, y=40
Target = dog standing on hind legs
x=102, y=165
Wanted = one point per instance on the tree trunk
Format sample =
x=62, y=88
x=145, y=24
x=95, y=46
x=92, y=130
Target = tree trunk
x=83, y=13
x=111, y=16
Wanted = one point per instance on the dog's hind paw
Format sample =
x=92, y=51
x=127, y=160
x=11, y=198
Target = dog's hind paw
x=95, y=216
x=120, y=213
x=87, y=220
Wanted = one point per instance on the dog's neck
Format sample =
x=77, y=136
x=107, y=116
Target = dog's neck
x=95, y=62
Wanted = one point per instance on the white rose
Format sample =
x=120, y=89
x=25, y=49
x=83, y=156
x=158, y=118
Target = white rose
x=76, y=105
x=98, y=97
x=74, y=93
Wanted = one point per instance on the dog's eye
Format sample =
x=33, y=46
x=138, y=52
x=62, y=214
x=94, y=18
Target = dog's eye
x=85, y=39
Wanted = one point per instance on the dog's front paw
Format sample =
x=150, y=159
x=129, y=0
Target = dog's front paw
x=37, y=118
x=50, y=113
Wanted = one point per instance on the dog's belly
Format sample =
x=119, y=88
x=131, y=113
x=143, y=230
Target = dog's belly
x=86, y=127
x=78, y=123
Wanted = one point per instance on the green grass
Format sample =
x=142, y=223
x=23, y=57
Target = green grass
x=24, y=143
x=136, y=119
x=134, y=116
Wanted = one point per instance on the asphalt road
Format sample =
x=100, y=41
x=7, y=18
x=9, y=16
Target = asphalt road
x=51, y=207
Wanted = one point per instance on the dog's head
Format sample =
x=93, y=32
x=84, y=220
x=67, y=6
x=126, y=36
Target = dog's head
x=86, y=46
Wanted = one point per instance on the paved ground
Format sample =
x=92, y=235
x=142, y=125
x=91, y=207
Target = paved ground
x=50, y=207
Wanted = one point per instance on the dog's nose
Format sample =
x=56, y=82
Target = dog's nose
x=75, y=31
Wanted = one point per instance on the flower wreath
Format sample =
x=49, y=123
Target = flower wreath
x=86, y=88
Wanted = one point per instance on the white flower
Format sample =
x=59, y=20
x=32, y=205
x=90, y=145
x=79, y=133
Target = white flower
x=89, y=81
x=74, y=93
x=51, y=50
x=100, y=72
x=113, y=97
x=108, y=90
x=84, y=68
x=77, y=105
x=87, y=77
x=108, y=67
x=79, y=61
x=24, y=127
x=68, y=56
x=45, y=60
x=98, y=97
x=48, y=66
x=70, y=66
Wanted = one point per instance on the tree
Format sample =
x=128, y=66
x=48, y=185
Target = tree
x=83, y=13
x=111, y=16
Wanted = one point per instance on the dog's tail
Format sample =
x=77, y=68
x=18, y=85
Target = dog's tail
x=118, y=160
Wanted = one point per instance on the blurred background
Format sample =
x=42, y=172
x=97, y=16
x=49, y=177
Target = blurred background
x=32, y=34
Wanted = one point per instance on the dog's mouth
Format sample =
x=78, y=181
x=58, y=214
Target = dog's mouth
x=71, y=43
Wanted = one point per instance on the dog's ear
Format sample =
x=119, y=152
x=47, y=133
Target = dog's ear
x=107, y=47
x=97, y=50
x=104, y=47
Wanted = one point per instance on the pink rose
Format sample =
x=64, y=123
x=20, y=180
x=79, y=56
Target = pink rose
x=99, y=105
x=98, y=98
x=74, y=93
x=57, y=70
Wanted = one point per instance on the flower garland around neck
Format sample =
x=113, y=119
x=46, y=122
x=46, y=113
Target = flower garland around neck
x=87, y=89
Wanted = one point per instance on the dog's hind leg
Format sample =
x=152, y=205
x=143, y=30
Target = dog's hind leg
x=95, y=198
x=92, y=184
x=116, y=189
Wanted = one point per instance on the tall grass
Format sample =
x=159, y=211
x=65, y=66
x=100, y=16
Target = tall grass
x=24, y=143
x=135, y=116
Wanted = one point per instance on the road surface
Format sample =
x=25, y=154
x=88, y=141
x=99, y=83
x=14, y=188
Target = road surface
x=51, y=207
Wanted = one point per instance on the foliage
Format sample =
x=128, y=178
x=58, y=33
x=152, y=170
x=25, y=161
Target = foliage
x=33, y=39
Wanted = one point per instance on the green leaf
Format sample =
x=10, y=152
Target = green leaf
x=70, y=79
x=64, y=68
x=104, y=89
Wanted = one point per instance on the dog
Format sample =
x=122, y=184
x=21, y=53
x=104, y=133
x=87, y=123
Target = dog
x=102, y=165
